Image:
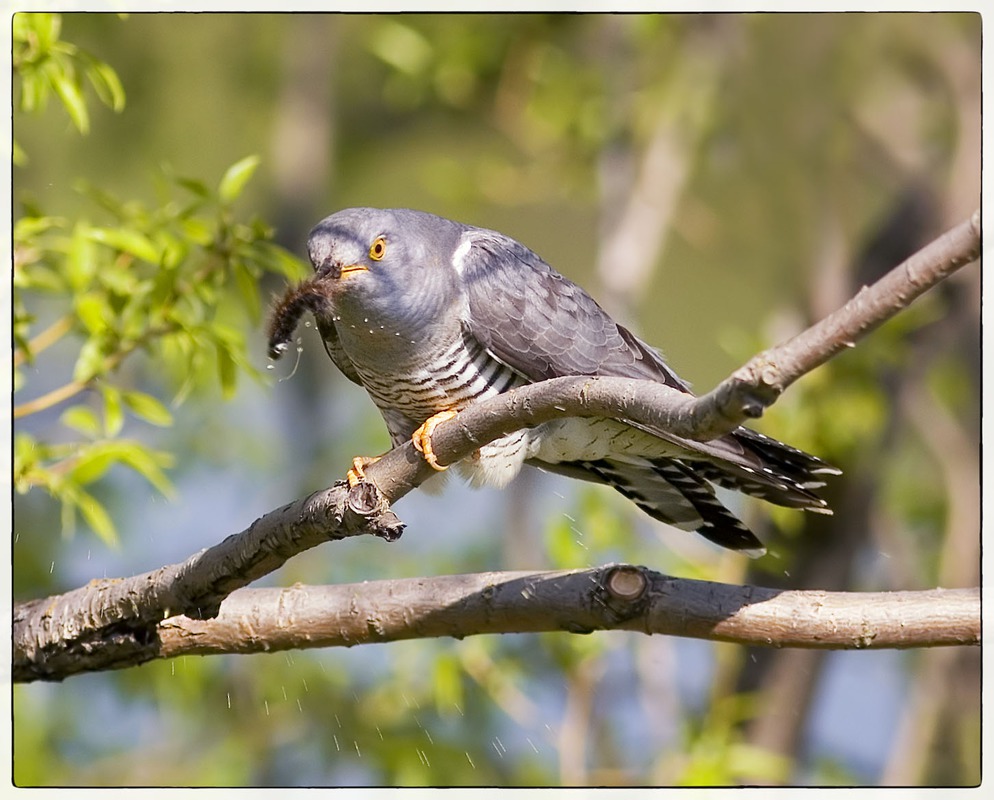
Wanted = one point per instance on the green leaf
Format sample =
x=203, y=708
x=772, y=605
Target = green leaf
x=274, y=258
x=174, y=251
x=148, y=408
x=227, y=371
x=401, y=47
x=92, y=462
x=106, y=83
x=206, y=293
x=71, y=96
x=93, y=311
x=34, y=92
x=96, y=517
x=19, y=155
x=235, y=178
x=199, y=188
x=28, y=228
x=82, y=419
x=147, y=463
x=140, y=313
x=127, y=240
x=120, y=280
x=198, y=230
x=38, y=276
x=248, y=287
x=46, y=28
x=26, y=455
x=102, y=198
x=113, y=409
x=21, y=28
x=91, y=359
x=81, y=263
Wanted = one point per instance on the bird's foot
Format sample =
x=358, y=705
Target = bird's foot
x=422, y=438
x=357, y=474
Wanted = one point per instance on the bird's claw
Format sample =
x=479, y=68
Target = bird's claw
x=357, y=474
x=422, y=438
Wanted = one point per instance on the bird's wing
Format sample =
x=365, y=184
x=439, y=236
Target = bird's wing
x=332, y=344
x=543, y=325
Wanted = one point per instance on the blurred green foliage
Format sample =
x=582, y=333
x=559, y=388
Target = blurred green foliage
x=177, y=282
x=44, y=64
x=133, y=294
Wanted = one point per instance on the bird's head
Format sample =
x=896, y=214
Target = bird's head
x=392, y=269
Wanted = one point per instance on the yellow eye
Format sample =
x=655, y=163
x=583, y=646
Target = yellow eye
x=378, y=249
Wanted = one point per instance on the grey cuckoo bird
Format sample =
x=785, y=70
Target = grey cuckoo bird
x=427, y=315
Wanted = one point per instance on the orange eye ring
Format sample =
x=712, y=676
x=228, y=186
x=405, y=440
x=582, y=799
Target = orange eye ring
x=378, y=248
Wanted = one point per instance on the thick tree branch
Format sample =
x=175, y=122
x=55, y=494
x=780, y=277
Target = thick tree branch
x=619, y=596
x=53, y=634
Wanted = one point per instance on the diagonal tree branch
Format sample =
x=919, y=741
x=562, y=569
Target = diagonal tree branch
x=50, y=633
x=755, y=386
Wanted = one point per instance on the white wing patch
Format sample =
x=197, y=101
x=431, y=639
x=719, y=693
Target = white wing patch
x=459, y=257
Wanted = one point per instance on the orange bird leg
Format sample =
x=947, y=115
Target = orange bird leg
x=422, y=438
x=357, y=474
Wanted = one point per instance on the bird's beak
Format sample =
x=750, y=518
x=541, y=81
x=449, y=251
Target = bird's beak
x=351, y=269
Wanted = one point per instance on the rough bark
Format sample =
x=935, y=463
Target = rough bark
x=620, y=596
x=57, y=636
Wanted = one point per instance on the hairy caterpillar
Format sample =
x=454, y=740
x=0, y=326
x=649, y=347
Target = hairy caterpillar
x=310, y=295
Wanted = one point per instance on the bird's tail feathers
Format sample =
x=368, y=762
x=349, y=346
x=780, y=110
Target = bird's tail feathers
x=672, y=492
x=770, y=470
